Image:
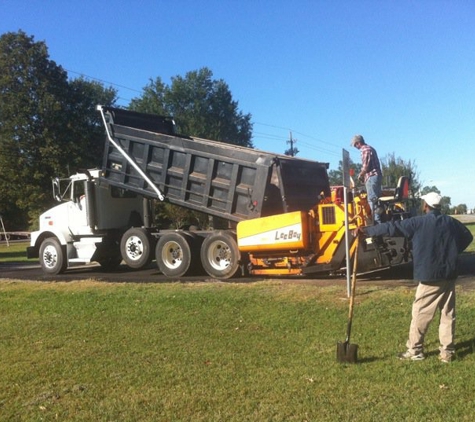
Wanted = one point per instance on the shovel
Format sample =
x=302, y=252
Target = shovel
x=346, y=352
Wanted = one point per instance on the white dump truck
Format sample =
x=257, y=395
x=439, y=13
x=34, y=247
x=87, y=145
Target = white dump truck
x=281, y=215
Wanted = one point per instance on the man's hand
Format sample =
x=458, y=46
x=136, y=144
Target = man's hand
x=361, y=177
x=359, y=231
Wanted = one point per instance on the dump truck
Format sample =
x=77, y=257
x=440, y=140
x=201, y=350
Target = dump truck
x=269, y=214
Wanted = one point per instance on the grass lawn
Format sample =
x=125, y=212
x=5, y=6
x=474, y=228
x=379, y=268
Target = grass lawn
x=471, y=247
x=263, y=351
x=14, y=252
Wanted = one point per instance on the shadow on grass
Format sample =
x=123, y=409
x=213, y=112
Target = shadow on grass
x=13, y=256
x=465, y=348
x=462, y=349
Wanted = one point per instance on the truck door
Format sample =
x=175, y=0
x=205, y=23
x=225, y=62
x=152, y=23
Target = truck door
x=77, y=215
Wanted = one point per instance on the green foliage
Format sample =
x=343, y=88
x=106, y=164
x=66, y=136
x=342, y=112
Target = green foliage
x=263, y=351
x=201, y=106
x=394, y=167
x=31, y=123
x=336, y=176
x=175, y=217
x=14, y=252
x=48, y=126
x=471, y=247
x=460, y=209
x=84, y=122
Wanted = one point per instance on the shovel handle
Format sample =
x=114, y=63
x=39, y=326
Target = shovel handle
x=352, y=293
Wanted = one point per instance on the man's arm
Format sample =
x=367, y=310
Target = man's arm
x=464, y=236
x=383, y=229
x=391, y=228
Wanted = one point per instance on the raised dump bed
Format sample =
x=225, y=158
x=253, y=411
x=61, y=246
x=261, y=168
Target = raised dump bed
x=217, y=178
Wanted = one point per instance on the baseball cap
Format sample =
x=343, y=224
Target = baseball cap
x=357, y=138
x=432, y=199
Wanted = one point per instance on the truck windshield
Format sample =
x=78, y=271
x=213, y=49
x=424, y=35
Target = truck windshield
x=67, y=189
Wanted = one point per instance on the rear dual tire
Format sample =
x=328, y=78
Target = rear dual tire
x=220, y=255
x=182, y=253
x=175, y=254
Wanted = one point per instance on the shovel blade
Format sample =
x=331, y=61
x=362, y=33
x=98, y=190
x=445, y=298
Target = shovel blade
x=346, y=352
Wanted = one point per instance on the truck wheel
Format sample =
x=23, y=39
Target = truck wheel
x=135, y=248
x=173, y=254
x=52, y=256
x=220, y=255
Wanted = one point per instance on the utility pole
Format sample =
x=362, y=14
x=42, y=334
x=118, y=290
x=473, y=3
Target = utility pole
x=291, y=151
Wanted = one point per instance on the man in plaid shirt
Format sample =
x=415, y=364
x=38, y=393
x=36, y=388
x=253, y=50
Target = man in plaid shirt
x=370, y=173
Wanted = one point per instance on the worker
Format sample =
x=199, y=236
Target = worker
x=370, y=174
x=437, y=239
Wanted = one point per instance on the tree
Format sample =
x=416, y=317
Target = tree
x=31, y=89
x=178, y=217
x=394, y=167
x=84, y=122
x=47, y=126
x=336, y=176
x=460, y=209
x=201, y=107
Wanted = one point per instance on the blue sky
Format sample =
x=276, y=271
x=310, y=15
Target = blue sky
x=401, y=73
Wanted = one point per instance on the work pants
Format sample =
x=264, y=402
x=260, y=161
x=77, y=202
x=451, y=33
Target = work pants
x=430, y=298
x=373, y=190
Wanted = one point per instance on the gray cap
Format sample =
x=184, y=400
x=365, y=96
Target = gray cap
x=357, y=138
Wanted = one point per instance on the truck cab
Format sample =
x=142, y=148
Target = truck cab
x=86, y=225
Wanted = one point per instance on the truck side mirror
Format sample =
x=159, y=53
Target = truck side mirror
x=57, y=190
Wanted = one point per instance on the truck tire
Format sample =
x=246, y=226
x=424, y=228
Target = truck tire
x=220, y=255
x=52, y=257
x=174, y=254
x=136, y=248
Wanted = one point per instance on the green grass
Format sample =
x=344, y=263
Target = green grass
x=263, y=351
x=471, y=247
x=14, y=252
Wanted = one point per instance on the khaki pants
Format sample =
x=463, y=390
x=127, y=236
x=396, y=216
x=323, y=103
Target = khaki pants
x=430, y=298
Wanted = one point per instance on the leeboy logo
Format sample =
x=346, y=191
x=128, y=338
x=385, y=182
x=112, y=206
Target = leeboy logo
x=287, y=235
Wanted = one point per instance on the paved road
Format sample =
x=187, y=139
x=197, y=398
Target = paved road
x=399, y=276
x=33, y=272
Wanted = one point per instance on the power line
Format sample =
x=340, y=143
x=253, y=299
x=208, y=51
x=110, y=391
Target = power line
x=262, y=135
x=303, y=143
x=103, y=81
x=299, y=133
